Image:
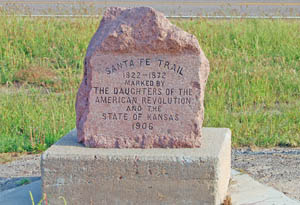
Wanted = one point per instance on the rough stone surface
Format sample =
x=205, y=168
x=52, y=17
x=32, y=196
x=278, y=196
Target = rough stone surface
x=138, y=176
x=143, y=84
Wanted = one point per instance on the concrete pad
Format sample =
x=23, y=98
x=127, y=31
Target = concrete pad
x=138, y=176
x=245, y=190
x=20, y=195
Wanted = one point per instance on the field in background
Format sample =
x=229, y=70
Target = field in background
x=253, y=87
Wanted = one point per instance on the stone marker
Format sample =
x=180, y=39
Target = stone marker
x=143, y=84
x=143, y=87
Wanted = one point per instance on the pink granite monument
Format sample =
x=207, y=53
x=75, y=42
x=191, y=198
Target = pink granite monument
x=143, y=84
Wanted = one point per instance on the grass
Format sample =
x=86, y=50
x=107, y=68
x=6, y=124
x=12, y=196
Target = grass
x=44, y=200
x=253, y=87
x=23, y=182
x=254, y=84
x=32, y=119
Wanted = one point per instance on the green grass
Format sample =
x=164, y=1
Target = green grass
x=254, y=84
x=253, y=87
x=23, y=181
x=32, y=119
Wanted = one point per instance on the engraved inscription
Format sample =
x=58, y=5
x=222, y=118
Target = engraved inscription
x=124, y=65
x=142, y=92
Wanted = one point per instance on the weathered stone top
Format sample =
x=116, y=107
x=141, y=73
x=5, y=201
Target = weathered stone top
x=140, y=30
x=143, y=84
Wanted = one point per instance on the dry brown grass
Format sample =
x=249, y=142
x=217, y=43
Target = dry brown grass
x=38, y=76
x=9, y=157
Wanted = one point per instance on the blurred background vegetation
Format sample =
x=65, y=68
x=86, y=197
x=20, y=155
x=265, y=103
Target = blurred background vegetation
x=253, y=87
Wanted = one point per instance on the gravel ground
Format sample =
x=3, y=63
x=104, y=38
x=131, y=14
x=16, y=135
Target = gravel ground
x=20, y=171
x=277, y=167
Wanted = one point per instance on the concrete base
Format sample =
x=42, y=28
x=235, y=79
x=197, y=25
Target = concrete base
x=243, y=190
x=138, y=176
